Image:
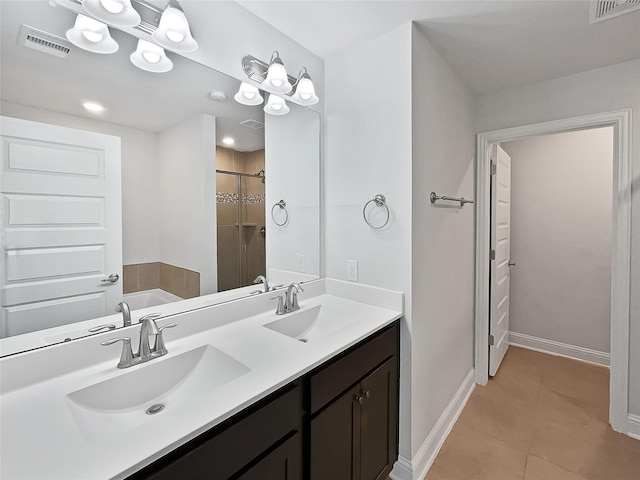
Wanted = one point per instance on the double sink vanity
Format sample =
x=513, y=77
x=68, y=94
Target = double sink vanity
x=241, y=393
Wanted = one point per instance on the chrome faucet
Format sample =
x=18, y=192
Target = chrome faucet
x=149, y=327
x=262, y=279
x=291, y=300
x=290, y=303
x=145, y=351
x=126, y=313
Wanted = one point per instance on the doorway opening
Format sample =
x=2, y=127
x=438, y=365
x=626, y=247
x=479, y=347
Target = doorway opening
x=619, y=122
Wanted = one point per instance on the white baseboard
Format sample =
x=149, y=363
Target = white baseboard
x=557, y=348
x=418, y=466
x=634, y=426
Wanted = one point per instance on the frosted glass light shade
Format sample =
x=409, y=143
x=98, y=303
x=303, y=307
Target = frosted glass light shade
x=173, y=31
x=151, y=58
x=276, y=106
x=119, y=13
x=305, y=93
x=91, y=35
x=248, y=95
x=277, y=80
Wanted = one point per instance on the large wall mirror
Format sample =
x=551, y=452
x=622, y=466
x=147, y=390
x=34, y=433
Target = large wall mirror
x=208, y=193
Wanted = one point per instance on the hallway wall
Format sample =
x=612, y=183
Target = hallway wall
x=561, y=237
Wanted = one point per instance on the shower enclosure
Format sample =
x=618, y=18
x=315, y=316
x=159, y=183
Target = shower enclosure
x=241, y=227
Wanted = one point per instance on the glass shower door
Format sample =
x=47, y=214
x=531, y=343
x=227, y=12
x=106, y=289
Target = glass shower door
x=241, y=229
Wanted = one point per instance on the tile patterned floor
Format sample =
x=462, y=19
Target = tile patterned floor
x=541, y=418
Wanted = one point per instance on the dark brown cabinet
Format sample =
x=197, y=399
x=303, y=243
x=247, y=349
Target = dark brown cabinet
x=354, y=438
x=284, y=463
x=338, y=422
x=255, y=440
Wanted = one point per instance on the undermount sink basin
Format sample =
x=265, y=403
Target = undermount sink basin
x=312, y=323
x=122, y=403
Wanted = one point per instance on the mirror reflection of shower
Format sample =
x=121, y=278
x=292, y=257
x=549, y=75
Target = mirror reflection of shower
x=240, y=206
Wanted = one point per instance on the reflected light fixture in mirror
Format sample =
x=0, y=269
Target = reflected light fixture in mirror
x=276, y=106
x=119, y=13
x=277, y=80
x=248, y=95
x=151, y=58
x=228, y=141
x=173, y=31
x=91, y=35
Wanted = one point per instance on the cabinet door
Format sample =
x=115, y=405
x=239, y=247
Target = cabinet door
x=332, y=438
x=281, y=464
x=378, y=422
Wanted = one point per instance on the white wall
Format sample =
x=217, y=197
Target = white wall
x=140, y=241
x=595, y=91
x=186, y=198
x=404, y=132
x=368, y=151
x=442, y=237
x=561, y=205
x=292, y=151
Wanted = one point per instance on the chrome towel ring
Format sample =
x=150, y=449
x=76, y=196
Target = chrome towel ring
x=379, y=201
x=283, y=206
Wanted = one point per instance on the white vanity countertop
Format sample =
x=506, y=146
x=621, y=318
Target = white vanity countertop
x=42, y=438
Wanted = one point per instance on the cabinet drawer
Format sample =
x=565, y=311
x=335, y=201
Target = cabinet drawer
x=219, y=454
x=328, y=382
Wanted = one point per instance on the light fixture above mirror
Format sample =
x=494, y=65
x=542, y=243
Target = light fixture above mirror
x=173, y=31
x=91, y=35
x=119, y=13
x=305, y=93
x=277, y=80
x=156, y=29
x=273, y=78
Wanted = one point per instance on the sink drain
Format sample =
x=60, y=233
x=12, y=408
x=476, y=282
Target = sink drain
x=303, y=340
x=153, y=409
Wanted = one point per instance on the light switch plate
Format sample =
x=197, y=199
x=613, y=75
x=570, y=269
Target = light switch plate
x=352, y=270
x=300, y=262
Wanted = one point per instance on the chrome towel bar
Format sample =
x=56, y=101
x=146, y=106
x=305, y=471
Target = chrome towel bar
x=435, y=198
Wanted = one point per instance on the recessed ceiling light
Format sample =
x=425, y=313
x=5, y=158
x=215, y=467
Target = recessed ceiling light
x=93, y=107
x=228, y=141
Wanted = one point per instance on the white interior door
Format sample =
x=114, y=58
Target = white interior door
x=60, y=199
x=501, y=245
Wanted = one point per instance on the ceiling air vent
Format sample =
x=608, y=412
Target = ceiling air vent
x=43, y=42
x=606, y=9
x=252, y=124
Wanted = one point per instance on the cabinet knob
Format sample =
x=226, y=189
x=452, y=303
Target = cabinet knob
x=359, y=399
x=367, y=393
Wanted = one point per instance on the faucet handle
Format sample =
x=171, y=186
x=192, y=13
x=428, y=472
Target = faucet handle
x=126, y=357
x=150, y=316
x=107, y=327
x=160, y=349
x=280, y=310
x=275, y=287
x=294, y=299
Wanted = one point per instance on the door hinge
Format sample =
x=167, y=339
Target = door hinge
x=492, y=254
x=494, y=168
x=492, y=340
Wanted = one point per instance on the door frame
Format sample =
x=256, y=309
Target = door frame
x=620, y=120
